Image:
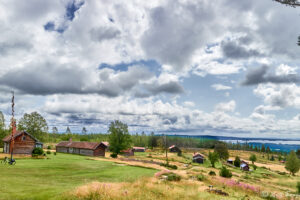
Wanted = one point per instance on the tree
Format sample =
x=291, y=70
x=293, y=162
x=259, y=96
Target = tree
x=34, y=124
x=152, y=141
x=84, y=131
x=292, y=3
x=252, y=158
x=2, y=121
x=119, y=138
x=298, y=153
x=68, y=130
x=279, y=157
x=222, y=150
x=3, y=131
x=237, y=161
x=292, y=163
x=213, y=158
x=54, y=130
x=263, y=149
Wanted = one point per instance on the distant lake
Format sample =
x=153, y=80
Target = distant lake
x=275, y=144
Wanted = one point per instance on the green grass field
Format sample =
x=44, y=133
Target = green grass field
x=50, y=178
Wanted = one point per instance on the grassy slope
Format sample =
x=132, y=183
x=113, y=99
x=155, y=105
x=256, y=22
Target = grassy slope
x=48, y=178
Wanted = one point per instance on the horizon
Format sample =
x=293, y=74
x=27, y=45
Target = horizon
x=219, y=68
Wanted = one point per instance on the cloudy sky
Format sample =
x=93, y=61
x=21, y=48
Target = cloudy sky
x=217, y=67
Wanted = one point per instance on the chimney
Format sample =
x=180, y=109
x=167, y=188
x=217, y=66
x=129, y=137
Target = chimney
x=70, y=140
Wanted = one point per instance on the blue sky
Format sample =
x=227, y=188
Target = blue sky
x=218, y=67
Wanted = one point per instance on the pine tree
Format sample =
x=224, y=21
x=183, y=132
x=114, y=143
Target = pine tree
x=292, y=163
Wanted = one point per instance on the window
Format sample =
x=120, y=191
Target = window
x=24, y=138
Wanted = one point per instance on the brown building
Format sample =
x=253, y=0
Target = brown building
x=174, y=148
x=244, y=166
x=128, y=152
x=139, y=149
x=81, y=148
x=24, y=143
x=198, y=158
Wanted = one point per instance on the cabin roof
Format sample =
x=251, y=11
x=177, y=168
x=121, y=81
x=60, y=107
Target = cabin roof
x=142, y=148
x=198, y=155
x=17, y=134
x=173, y=146
x=80, y=145
x=106, y=143
x=243, y=165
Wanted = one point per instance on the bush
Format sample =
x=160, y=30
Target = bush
x=49, y=147
x=54, y=153
x=224, y=172
x=48, y=152
x=179, y=153
x=173, y=177
x=114, y=155
x=237, y=161
x=168, y=166
x=200, y=177
x=254, y=167
x=212, y=173
x=298, y=187
x=37, y=151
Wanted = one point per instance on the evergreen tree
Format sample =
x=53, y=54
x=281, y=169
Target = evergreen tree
x=213, y=158
x=292, y=163
x=68, y=130
x=237, y=161
x=84, y=131
x=252, y=158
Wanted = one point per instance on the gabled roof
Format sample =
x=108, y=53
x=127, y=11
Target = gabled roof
x=142, y=148
x=172, y=146
x=80, y=145
x=198, y=155
x=243, y=165
x=17, y=134
x=105, y=143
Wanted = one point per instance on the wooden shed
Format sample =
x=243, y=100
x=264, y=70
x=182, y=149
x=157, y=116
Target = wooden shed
x=24, y=143
x=174, y=148
x=139, y=149
x=81, y=148
x=198, y=158
x=128, y=152
x=244, y=166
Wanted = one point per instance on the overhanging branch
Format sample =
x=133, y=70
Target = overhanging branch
x=293, y=3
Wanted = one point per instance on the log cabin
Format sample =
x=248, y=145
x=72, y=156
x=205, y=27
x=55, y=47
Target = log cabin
x=139, y=149
x=198, y=158
x=174, y=148
x=24, y=143
x=82, y=148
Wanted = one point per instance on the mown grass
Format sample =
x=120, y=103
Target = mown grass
x=49, y=178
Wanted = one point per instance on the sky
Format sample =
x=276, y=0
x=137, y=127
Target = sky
x=193, y=67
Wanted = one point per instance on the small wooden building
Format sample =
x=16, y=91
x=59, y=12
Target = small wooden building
x=198, y=158
x=106, y=144
x=230, y=161
x=139, y=149
x=82, y=148
x=24, y=143
x=174, y=148
x=244, y=166
x=128, y=152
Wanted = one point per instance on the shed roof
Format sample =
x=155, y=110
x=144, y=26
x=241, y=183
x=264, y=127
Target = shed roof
x=198, y=155
x=80, y=145
x=142, y=148
x=173, y=146
x=243, y=165
x=17, y=134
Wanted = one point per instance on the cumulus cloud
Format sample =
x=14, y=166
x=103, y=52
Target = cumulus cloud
x=260, y=75
x=226, y=106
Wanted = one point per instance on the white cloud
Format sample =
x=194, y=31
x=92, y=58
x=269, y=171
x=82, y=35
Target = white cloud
x=226, y=106
x=221, y=87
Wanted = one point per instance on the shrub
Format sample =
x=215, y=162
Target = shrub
x=37, y=151
x=114, y=155
x=254, y=167
x=179, y=153
x=237, y=161
x=200, y=177
x=48, y=152
x=168, y=166
x=49, y=147
x=173, y=177
x=224, y=172
x=212, y=173
x=298, y=187
x=54, y=153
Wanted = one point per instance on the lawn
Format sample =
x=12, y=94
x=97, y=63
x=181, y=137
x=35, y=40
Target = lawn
x=49, y=178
